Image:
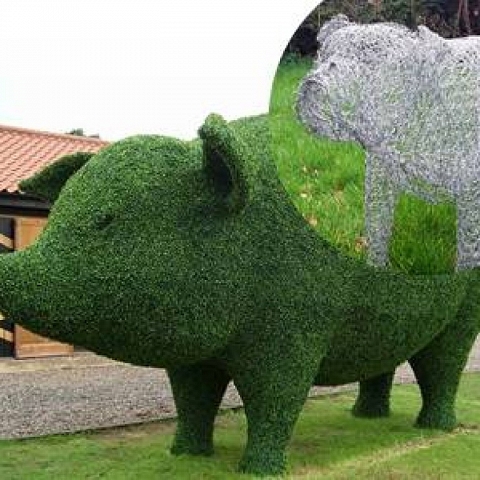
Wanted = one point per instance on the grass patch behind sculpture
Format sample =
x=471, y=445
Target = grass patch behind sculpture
x=325, y=179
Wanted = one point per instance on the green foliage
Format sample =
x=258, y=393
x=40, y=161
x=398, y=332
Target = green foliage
x=79, y=132
x=441, y=16
x=304, y=42
x=191, y=256
x=48, y=183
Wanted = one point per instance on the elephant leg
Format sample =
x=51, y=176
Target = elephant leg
x=274, y=386
x=374, y=397
x=468, y=231
x=197, y=391
x=438, y=368
x=380, y=200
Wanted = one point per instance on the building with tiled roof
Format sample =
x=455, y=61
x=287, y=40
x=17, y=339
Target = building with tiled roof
x=24, y=152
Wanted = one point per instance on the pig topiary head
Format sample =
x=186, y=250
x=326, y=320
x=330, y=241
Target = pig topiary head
x=148, y=239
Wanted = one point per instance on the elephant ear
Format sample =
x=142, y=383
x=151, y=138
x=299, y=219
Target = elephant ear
x=336, y=23
x=48, y=182
x=228, y=163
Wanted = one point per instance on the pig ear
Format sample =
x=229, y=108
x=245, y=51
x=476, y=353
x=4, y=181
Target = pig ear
x=49, y=181
x=227, y=163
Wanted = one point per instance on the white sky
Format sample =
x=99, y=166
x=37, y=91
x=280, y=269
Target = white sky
x=121, y=67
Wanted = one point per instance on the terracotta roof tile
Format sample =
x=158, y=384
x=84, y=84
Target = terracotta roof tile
x=24, y=152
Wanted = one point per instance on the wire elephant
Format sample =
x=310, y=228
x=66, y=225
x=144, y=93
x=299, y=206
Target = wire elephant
x=412, y=100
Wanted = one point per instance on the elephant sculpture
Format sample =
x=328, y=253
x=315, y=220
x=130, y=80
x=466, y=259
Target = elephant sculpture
x=190, y=255
x=412, y=100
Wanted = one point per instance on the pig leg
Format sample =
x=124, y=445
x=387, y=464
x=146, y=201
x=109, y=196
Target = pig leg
x=198, y=391
x=374, y=397
x=438, y=368
x=380, y=199
x=468, y=229
x=274, y=385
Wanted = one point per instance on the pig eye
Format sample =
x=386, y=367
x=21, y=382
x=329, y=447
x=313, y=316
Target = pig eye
x=103, y=220
x=332, y=66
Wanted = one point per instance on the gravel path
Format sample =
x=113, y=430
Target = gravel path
x=85, y=391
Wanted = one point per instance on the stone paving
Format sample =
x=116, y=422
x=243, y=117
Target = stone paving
x=86, y=391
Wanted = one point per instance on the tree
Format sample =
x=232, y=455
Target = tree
x=79, y=132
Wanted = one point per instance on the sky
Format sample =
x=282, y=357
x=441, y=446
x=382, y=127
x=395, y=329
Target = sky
x=123, y=67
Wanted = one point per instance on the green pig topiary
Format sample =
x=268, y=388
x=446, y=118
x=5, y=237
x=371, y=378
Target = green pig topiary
x=191, y=256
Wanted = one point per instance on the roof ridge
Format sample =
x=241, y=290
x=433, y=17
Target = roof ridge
x=65, y=136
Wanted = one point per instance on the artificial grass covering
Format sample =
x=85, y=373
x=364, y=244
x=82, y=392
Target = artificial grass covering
x=191, y=256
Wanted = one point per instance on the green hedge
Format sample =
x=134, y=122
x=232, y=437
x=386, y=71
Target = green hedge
x=439, y=15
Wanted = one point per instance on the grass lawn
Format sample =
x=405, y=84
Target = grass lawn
x=328, y=443
x=325, y=179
